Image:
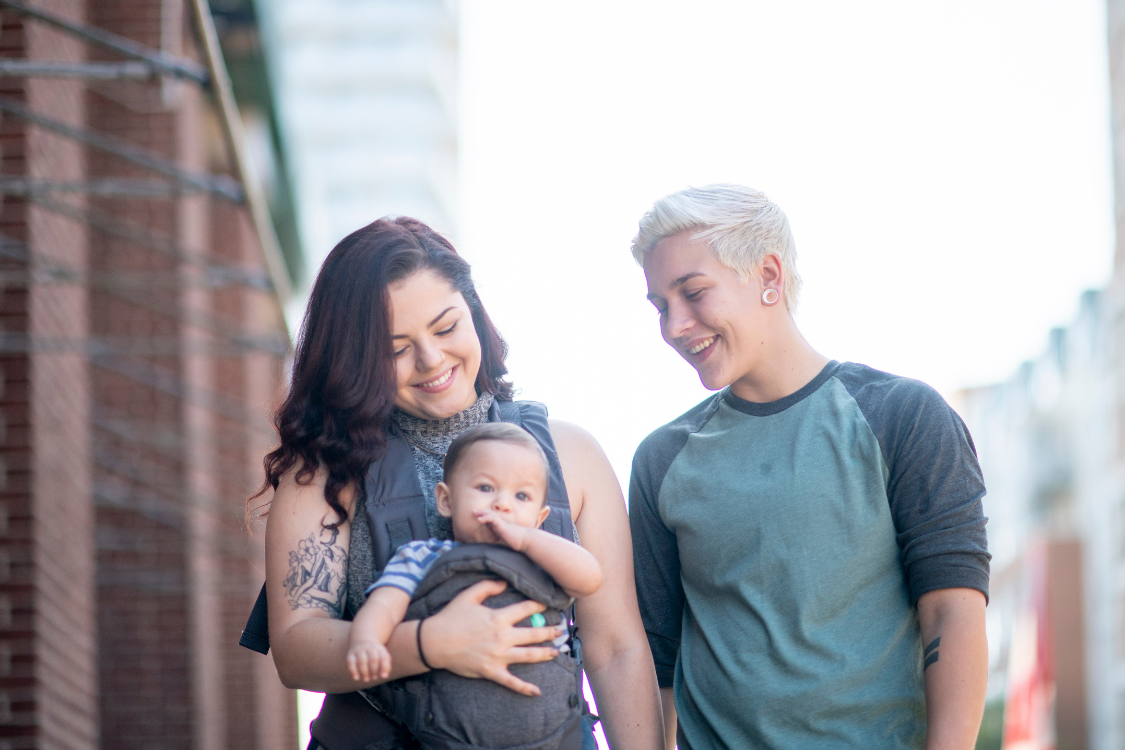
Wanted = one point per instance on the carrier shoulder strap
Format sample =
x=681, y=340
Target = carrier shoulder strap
x=532, y=416
x=396, y=507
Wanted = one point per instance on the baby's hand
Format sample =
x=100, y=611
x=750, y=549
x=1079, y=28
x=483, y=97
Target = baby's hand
x=511, y=534
x=369, y=660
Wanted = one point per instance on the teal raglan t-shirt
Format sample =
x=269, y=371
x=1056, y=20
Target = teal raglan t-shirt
x=780, y=549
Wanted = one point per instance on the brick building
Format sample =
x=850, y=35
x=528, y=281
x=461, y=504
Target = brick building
x=141, y=349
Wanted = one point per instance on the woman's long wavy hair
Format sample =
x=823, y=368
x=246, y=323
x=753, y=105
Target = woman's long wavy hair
x=344, y=383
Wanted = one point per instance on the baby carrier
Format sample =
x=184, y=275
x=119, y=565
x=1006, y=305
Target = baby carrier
x=445, y=711
x=439, y=708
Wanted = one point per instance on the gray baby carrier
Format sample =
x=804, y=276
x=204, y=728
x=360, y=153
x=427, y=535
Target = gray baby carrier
x=439, y=709
x=447, y=712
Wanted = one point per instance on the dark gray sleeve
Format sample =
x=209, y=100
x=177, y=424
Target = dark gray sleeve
x=935, y=485
x=656, y=558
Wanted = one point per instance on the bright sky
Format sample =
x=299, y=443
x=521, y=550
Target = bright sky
x=945, y=167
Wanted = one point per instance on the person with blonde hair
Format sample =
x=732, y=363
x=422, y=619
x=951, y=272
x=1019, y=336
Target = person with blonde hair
x=809, y=544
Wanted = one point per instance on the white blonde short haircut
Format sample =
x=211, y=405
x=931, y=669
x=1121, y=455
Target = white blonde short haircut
x=741, y=224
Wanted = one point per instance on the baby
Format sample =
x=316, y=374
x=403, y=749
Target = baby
x=494, y=492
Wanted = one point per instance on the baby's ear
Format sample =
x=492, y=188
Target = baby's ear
x=543, y=513
x=442, y=497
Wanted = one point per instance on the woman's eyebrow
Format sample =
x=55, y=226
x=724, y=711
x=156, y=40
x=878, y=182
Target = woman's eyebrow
x=684, y=278
x=431, y=324
x=676, y=283
x=441, y=315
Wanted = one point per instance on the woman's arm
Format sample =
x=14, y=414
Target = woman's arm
x=617, y=657
x=955, y=664
x=306, y=586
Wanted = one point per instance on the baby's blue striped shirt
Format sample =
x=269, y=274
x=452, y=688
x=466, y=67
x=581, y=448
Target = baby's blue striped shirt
x=410, y=563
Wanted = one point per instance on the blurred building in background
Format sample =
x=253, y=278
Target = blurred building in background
x=267, y=148
x=1047, y=445
x=146, y=249
x=1052, y=446
x=367, y=95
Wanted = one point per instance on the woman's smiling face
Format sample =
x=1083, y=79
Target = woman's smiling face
x=436, y=349
x=709, y=316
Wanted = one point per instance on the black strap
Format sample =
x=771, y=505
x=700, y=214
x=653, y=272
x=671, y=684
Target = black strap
x=394, y=503
x=256, y=636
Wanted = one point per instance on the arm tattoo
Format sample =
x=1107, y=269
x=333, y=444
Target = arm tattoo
x=931, y=653
x=318, y=572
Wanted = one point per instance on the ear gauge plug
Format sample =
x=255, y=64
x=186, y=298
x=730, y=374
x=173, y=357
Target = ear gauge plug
x=770, y=297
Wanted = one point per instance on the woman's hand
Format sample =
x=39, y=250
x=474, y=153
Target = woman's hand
x=476, y=641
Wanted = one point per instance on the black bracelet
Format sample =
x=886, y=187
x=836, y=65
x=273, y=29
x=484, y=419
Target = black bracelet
x=421, y=653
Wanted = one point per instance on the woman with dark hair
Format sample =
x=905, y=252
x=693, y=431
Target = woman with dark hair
x=396, y=344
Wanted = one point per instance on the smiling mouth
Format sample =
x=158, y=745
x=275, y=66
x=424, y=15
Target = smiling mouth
x=438, y=381
x=702, y=345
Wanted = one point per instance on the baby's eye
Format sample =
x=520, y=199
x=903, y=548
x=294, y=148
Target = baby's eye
x=523, y=496
x=484, y=487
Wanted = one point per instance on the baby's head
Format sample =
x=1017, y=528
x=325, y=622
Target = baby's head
x=495, y=466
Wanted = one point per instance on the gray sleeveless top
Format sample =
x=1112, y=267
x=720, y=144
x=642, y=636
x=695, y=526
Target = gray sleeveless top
x=429, y=440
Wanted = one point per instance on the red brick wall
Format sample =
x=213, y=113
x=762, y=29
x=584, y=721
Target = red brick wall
x=48, y=692
x=62, y=516
x=17, y=645
x=132, y=426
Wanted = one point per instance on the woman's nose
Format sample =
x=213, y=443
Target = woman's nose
x=428, y=357
x=676, y=322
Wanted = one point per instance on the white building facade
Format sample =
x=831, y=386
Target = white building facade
x=366, y=92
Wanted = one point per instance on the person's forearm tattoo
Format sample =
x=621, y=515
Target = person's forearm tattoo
x=318, y=571
x=931, y=653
